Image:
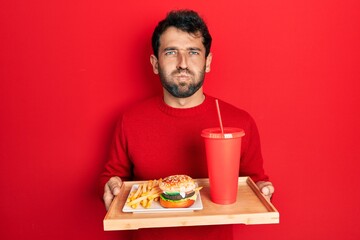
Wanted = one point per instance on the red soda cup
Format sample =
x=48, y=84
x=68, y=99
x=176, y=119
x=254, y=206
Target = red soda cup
x=223, y=162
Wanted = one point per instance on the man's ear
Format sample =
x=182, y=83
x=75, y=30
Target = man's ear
x=208, y=62
x=155, y=63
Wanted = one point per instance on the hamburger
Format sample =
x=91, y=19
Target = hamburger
x=178, y=191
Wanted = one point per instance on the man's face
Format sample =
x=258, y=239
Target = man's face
x=181, y=64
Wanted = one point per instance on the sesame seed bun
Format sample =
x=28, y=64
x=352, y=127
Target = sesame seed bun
x=177, y=183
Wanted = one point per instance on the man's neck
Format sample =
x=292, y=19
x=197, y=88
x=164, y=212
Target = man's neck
x=192, y=101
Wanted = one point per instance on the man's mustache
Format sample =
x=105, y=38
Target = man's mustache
x=182, y=70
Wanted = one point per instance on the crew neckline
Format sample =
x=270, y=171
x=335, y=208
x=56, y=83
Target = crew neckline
x=185, y=112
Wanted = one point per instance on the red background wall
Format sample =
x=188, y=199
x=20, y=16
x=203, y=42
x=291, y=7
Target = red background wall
x=68, y=69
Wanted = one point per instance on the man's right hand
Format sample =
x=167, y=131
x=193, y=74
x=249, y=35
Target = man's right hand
x=111, y=189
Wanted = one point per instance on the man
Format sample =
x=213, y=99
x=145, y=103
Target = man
x=161, y=136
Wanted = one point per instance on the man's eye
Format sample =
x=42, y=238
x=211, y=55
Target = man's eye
x=194, y=53
x=170, y=53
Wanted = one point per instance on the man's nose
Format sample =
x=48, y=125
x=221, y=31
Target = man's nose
x=182, y=61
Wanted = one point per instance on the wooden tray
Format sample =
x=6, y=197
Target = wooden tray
x=251, y=208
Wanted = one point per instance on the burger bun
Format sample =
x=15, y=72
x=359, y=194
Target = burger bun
x=178, y=204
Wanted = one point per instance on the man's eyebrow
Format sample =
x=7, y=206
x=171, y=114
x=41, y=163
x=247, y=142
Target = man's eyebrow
x=169, y=49
x=194, y=48
x=189, y=48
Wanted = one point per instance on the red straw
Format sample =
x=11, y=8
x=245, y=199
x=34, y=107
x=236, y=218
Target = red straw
x=219, y=115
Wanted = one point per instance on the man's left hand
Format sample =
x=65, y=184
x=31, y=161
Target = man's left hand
x=266, y=188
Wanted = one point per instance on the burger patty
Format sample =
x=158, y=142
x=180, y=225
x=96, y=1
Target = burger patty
x=177, y=196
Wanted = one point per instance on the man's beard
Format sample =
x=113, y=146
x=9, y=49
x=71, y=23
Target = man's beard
x=182, y=90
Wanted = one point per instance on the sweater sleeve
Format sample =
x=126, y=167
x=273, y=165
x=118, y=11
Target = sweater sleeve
x=118, y=163
x=251, y=158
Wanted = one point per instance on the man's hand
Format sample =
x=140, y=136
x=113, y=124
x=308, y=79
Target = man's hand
x=266, y=188
x=111, y=189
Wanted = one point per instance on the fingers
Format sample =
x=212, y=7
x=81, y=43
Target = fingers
x=114, y=184
x=266, y=188
x=107, y=197
x=268, y=191
x=111, y=189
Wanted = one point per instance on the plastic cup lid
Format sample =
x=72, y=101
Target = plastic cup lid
x=229, y=132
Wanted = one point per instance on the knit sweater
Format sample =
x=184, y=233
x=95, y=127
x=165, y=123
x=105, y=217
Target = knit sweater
x=153, y=140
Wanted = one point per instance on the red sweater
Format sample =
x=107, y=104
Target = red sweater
x=154, y=140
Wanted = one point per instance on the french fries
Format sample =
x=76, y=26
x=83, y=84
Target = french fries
x=145, y=194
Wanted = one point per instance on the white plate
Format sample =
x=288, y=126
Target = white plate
x=157, y=208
